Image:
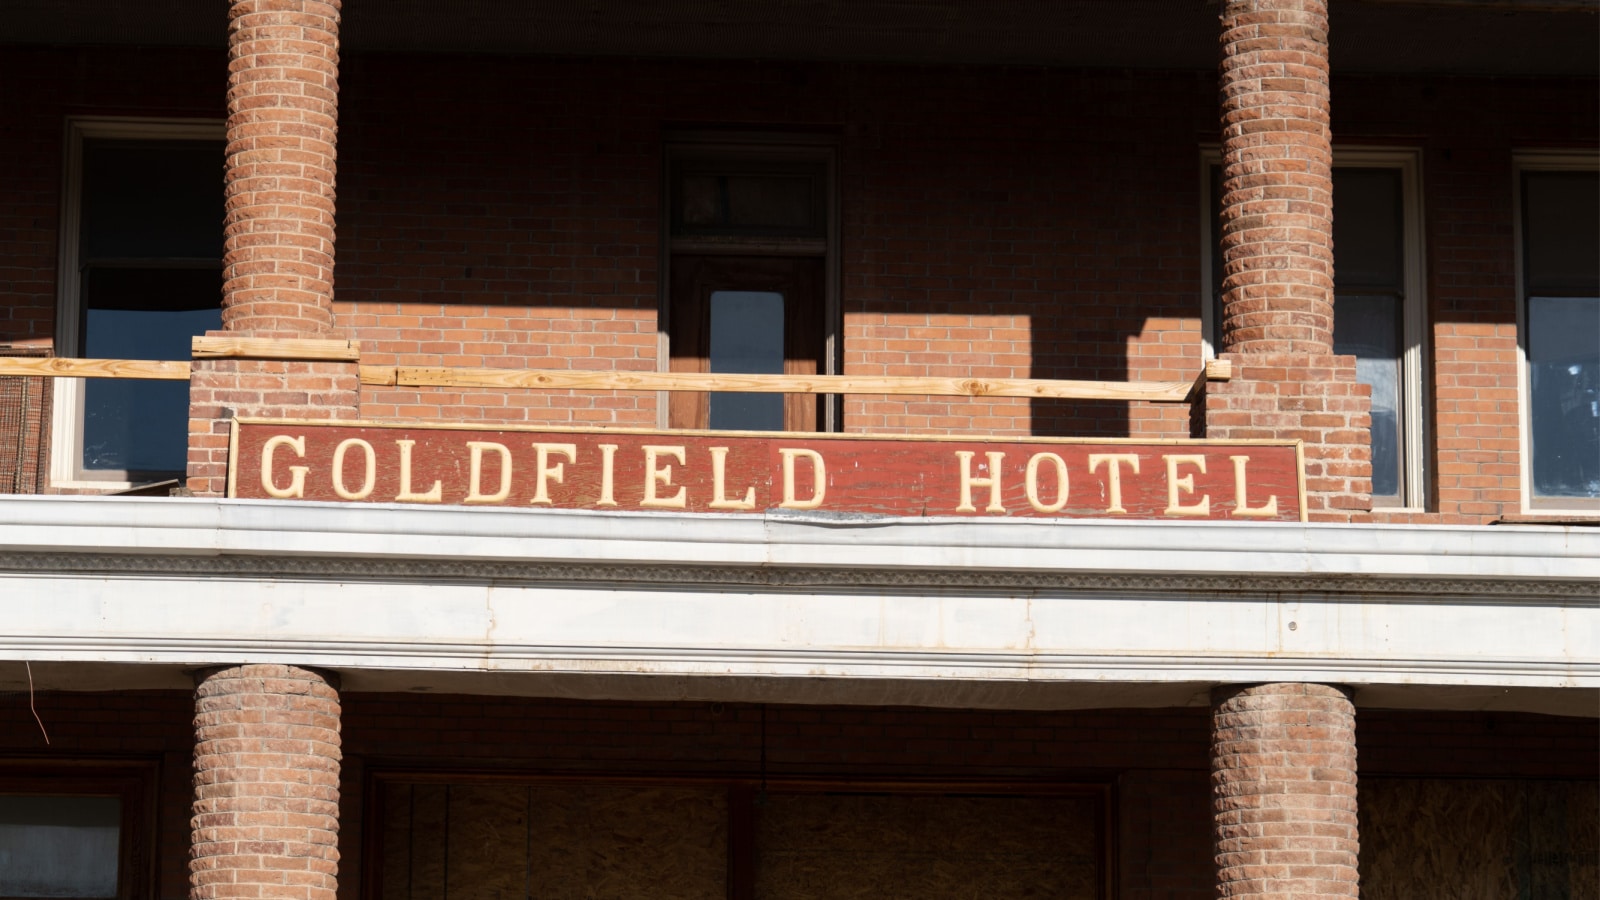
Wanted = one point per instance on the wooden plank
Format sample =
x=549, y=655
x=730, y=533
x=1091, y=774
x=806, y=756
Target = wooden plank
x=1219, y=370
x=555, y=379
x=378, y=376
x=551, y=379
x=205, y=347
x=64, y=367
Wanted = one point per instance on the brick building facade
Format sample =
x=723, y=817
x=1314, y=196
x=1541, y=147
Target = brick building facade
x=1382, y=226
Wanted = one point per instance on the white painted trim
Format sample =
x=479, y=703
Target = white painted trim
x=66, y=421
x=1210, y=328
x=1527, y=556
x=1536, y=161
x=495, y=592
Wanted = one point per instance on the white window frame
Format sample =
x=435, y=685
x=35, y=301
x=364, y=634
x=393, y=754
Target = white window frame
x=1535, y=161
x=1414, y=305
x=66, y=419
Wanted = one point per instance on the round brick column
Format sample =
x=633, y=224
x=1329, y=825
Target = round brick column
x=1277, y=188
x=283, y=114
x=1283, y=791
x=266, y=784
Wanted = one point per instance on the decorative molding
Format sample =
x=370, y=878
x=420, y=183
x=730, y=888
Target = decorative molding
x=818, y=662
x=303, y=568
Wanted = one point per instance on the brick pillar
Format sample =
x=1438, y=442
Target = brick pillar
x=283, y=111
x=266, y=785
x=1277, y=247
x=1283, y=791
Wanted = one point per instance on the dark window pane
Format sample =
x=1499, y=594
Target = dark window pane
x=1564, y=380
x=788, y=203
x=132, y=425
x=1368, y=327
x=152, y=199
x=747, y=339
x=702, y=200
x=770, y=201
x=142, y=426
x=1367, y=239
x=1561, y=232
x=59, y=846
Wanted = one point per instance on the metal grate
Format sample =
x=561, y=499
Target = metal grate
x=24, y=426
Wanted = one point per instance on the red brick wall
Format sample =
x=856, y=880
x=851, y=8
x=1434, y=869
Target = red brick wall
x=43, y=87
x=505, y=212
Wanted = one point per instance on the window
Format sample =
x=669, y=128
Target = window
x=76, y=831
x=1559, y=315
x=1378, y=304
x=140, y=274
x=751, y=269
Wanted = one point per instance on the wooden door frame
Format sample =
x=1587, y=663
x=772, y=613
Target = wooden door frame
x=754, y=146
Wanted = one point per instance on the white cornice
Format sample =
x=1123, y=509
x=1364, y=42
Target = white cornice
x=430, y=594
x=422, y=542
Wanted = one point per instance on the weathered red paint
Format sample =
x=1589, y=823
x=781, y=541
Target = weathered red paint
x=677, y=470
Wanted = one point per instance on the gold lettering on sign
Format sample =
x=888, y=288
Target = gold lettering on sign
x=433, y=495
x=369, y=475
x=544, y=473
x=608, y=471
x=719, y=484
x=819, y=478
x=1241, y=504
x=1114, y=474
x=968, y=482
x=1186, y=484
x=1032, y=483
x=662, y=475
x=297, y=474
x=475, y=492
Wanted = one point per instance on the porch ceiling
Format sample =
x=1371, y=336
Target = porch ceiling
x=1480, y=37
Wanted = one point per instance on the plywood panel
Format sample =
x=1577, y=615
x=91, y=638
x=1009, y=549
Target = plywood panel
x=395, y=867
x=628, y=843
x=427, y=840
x=922, y=847
x=553, y=841
x=1461, y=839
x=488, y=842
x=1583, y=839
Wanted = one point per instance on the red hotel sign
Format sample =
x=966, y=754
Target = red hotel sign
x=698, y=471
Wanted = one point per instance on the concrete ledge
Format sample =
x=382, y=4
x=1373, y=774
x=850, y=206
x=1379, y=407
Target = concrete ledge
x=1014, y=611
